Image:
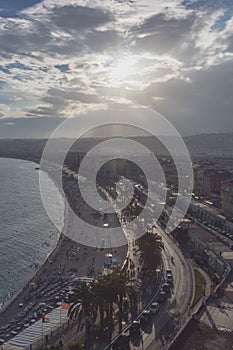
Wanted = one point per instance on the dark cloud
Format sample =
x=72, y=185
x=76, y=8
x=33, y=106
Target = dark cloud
x=204, y=103
x=44, y=111
x=161, y=35
x=102, y=40
x=76, y=18
x=3, y=84
x=38, y=39
x=55, y=101
x=229, y=47
x=74, y=96
x=16, y=39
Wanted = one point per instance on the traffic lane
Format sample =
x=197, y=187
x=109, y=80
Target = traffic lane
x=182, y=272
x=161, y=327
x=167, y=320
x=156, y=330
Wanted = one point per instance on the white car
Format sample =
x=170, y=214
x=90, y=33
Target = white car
x=169, y=272
x=154, y=308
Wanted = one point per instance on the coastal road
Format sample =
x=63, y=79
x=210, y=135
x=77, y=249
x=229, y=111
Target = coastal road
x=174, y=311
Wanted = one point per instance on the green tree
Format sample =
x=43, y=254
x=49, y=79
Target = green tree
x=150, y=246
x=120, y=287
x=84, y=308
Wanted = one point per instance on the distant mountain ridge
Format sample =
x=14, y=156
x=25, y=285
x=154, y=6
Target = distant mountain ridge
x=210, y=144
x=202, y=145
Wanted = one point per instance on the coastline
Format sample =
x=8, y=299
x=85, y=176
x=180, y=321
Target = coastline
x=66, y=260
x=5, y=303
x=20, y=293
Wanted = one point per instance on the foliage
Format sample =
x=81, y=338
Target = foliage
x=150, y=247
x=100, y=298
x=199, y=286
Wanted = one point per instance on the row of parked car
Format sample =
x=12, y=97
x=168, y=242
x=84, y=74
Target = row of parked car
x=135, y=328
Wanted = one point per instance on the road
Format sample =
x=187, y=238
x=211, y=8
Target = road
x=166, y=323
x=175, y=310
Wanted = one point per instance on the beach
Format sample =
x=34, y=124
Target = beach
x=67, y=261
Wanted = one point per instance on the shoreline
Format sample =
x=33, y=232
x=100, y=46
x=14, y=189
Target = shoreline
x=66, y=261
x=5, y=303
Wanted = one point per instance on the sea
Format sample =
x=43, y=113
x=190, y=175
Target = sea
x=27, y=235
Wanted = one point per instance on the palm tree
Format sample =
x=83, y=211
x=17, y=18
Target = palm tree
x=150, y=246
x=121, y=287
x=100, y=299
x=101, y=293
x=84, y=308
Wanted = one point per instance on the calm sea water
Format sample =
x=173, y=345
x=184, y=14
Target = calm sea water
x=26, y=233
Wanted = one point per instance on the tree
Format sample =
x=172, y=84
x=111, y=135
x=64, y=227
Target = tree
x=100, y=298
x=150, y=246
x=101, y=292
x=120, y=287
x=84, y=308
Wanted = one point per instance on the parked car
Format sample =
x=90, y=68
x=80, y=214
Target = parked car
x=166, y=287
x=154, y=308
x=169, y=280
x=162, y=297
x=2, y=340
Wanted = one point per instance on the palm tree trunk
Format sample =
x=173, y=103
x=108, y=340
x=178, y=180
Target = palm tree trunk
x=87, y=334
x=101, y=319
x=120, y=314
x=111, y=313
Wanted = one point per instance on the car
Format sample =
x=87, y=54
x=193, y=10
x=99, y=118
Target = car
x=154, y=308
x=162, y=297
x=145, y=316
x=42, y=304
x=168, y=272
x=13, y=333
x=169, y=280
x=166, y=287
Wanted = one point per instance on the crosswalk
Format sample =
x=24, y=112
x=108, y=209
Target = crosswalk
x=37, y=331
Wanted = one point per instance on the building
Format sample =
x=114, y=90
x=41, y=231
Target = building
x=212, y=180
x=210, y=216
x=208, y=180
x=209, y=247
x=198, y=172
x=227, y=198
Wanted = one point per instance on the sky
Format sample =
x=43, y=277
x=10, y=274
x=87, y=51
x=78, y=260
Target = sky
x=61, y=57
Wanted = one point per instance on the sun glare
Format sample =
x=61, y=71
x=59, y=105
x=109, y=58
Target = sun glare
x=121, y=69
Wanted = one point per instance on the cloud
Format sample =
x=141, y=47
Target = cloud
x=75, y=18
x=63, y=56
x=74, y=96
x=161, y=35
x=202, y=104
